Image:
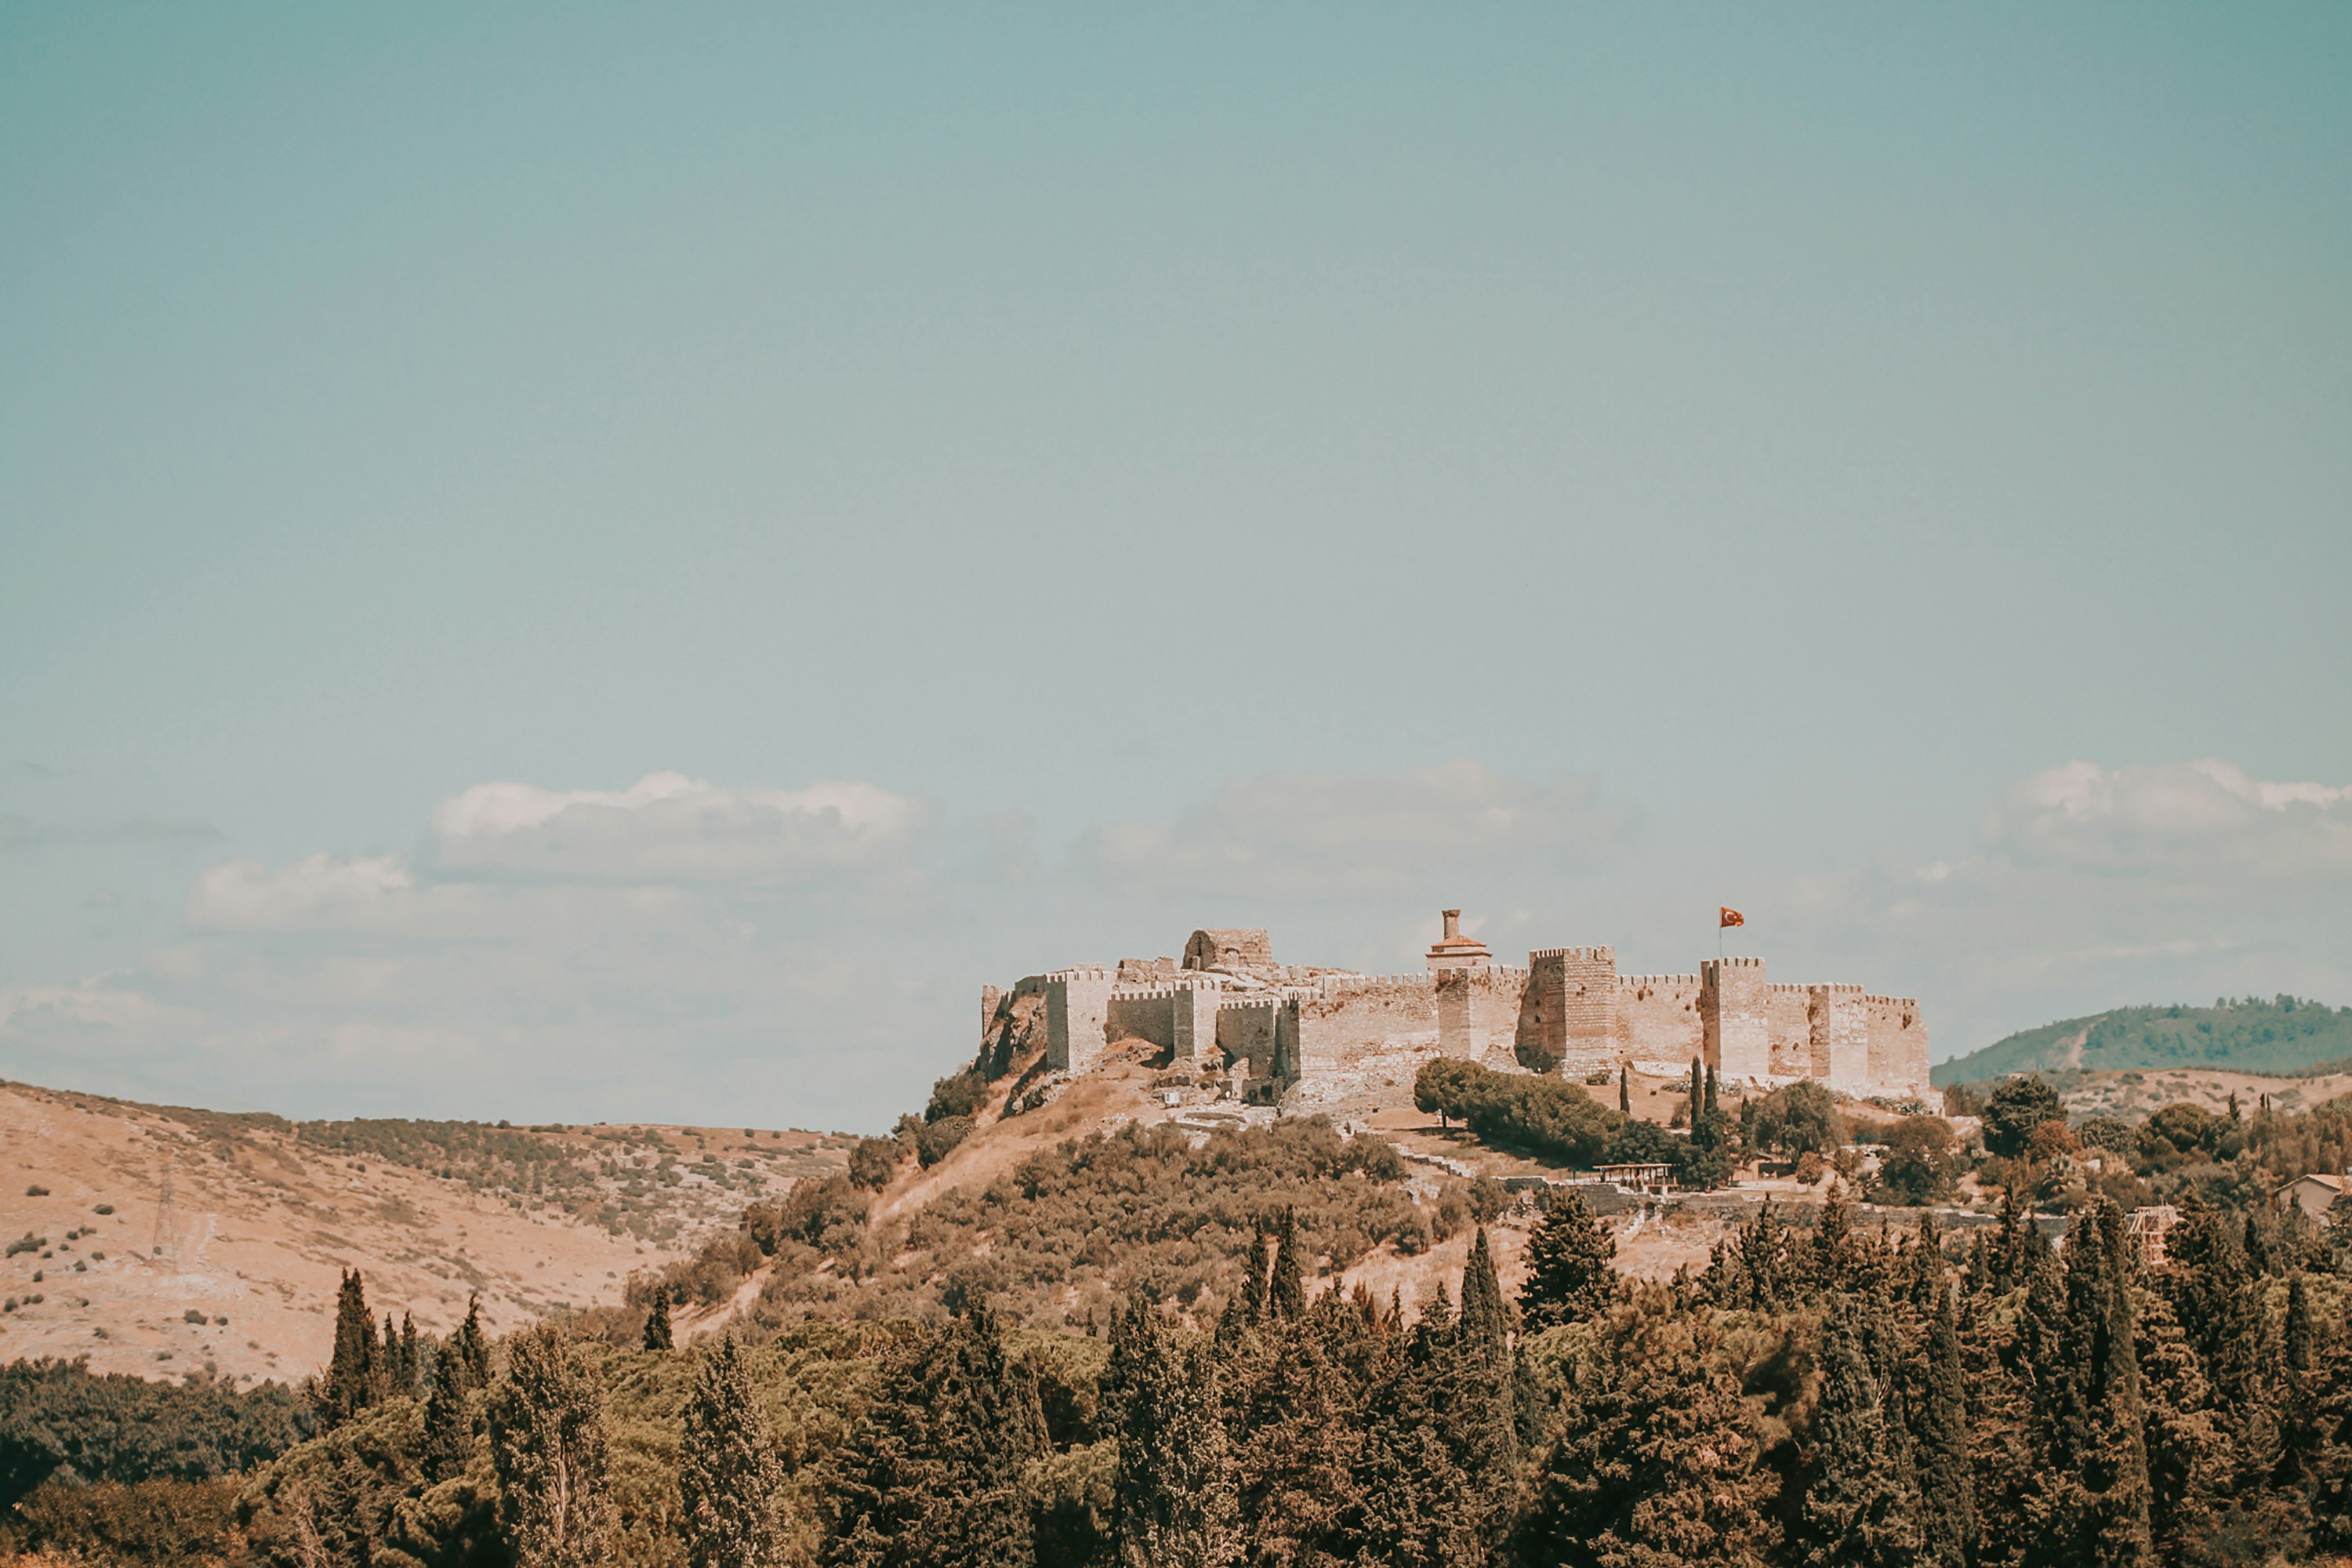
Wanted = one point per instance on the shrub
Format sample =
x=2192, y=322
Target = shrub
x=37, y=1191
x=105, y=1208
x=27, y=1242
x=873, y=1162
x=938, y=1140
x=195, y=1315
x=2107, y=1132
x=959, y=1095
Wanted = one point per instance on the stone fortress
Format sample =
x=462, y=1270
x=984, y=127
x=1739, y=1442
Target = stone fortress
x=1279, y=1031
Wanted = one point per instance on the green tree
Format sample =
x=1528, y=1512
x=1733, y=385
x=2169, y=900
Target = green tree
x=1859, y=1512
x=1571, y=1272
x=1938, y=1417
x=2019, y=1106
x=1656, y=1465
x=355, y=1374
x=658, y=1336
x=730, y=1480
x=1286, y=1288
x=550, y=1447
x=1798, y=1117
x=931, y=1476
x=1917, y=1166
x=1175, y=1504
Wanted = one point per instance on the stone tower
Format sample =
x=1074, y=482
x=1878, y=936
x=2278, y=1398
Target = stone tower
x=1736, y=1026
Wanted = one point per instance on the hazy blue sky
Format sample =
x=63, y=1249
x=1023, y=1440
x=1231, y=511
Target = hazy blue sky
x=1043, y=480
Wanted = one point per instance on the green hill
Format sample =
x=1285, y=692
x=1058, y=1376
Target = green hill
x=2281, y=1034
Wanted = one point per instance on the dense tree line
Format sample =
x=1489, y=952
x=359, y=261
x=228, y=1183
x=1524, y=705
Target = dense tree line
x=1823, y=1391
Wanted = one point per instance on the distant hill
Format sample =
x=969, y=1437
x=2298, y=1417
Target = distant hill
x=2282, y=1034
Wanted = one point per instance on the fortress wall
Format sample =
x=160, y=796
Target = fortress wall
x=1735, y=1029
x=1347, y=1016
x=1788, y=1018
x=1077, y=1013
x=1479, y=1010
x=1144, y=1014
x=1840, y=1039
x=1657, y=1018
x=1897, y=1046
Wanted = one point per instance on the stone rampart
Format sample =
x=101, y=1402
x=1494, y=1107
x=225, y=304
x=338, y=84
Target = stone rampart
x=1364, y=1013
x=1658, y=1018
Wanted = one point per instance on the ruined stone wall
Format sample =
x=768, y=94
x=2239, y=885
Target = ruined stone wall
x=1657, y=1018
x=1898, y=1046
x=1569, y=1022
x=1078, y=1012
x=1736, y=1030
x=1478, y=1011
x=1788, y=1017
x=1360, y=1014
x=1229, y=949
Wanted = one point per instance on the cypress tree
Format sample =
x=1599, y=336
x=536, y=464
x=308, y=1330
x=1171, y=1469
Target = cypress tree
x=1939, y=1444
x=2189, y=1457
x=1297, y=1431
x=1625, y=1089
x=411, y=1356
x=1483, y=1323
x=1655, y=1464
x=1285, y=1289
x=1261, y=1265
x=551, y=1447
x=1173, y=1498
x=1858, y=1510
x=932, y=1476
x=448, y=1446
x=1711, y=1107
x=471, y=1348
x=658, y=1331
x=354, y=1378
x=390, y=1370
x=1571, y=1275
x=2091, y=1433
x=730, y=1480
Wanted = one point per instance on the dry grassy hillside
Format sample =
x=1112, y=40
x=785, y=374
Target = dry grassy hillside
x=2131, y=1095
x=238, y=1270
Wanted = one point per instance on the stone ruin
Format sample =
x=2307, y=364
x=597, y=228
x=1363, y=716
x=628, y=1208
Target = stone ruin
x=1274, y=1030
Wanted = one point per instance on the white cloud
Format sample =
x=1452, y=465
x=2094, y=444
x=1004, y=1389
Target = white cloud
x=318, y=891
x=2204, y=819
x=1307, y=835
x=668, y=827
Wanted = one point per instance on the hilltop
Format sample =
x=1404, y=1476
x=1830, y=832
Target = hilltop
x=236, y=1271
x=2283, y=1035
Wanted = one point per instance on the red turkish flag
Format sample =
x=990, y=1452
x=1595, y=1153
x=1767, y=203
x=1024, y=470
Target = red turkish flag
x=1734, y=918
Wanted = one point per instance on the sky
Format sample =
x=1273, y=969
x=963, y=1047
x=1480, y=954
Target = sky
x=619, y=562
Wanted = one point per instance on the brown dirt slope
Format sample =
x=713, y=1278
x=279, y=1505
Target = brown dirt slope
x=264, y=1214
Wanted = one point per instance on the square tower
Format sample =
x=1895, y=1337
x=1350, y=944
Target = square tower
x=1734, y=1017
x=1569, y=1022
